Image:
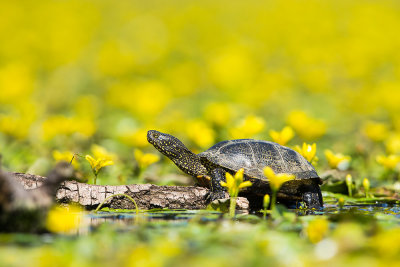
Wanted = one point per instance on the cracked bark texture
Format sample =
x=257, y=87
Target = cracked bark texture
x=147, y=196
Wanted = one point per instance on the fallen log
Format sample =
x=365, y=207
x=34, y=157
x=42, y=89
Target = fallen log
x=147, y=196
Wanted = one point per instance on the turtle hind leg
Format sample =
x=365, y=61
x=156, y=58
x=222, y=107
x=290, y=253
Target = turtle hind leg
x=313, y=198
x=217, y=191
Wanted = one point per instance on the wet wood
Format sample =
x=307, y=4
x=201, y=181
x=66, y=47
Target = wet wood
x=147, y=196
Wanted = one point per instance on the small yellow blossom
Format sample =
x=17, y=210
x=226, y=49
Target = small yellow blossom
x=308, y=151
x=200, y=133
x=338, y=160
x=366, y=186
x=305, y=126
x=64, y=219
x=341, y=202
x=349, y=183
x=276, y=180
x=67, y=156
x=248, y=127
x=145, y=159
x=376, y=131
x=392, y=144
x=97, y=164
x=235, y=183
x=317, y=229
x=282, y=137
x=389, y=162
x=266, y=201
x=101, y=152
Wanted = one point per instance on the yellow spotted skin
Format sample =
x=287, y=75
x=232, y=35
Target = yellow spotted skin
x=176, y=151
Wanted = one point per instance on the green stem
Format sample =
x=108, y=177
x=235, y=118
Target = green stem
x=128, y=197
x=264, y=213
x=349, y=187
x=232, y=207
x=95, y=179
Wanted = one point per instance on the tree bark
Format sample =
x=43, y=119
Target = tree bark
x=147, y=196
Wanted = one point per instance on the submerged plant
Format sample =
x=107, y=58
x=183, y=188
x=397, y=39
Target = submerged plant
x=234, y=184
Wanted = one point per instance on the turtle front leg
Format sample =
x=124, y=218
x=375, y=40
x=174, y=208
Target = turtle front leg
x=217, y=191
x=313, y=198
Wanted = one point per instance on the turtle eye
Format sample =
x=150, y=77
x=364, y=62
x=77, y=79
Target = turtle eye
x=156, y=135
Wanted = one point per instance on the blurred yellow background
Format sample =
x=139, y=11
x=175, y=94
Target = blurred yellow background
x=76, y=73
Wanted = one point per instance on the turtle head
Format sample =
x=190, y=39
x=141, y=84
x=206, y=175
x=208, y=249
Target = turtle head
x=176, y=151
x=167, y=144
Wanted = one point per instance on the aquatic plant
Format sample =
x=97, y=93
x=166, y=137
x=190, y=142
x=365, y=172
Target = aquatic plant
x=234, y=184
x=275, y=182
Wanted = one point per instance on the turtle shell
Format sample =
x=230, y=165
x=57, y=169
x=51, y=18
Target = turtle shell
x=254, y=155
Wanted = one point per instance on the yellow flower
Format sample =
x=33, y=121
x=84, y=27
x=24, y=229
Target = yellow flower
x=317, y=230
x=366, y=186
x=338, y=160
x=97, y=164
x=308, y=151
x=282, y=137
x=235, y=183
x=376, y=131
x=67, y=156
x=266, y=201
x=145, y=159
x=276, y=180
x=101, y=152
x=200, y=133
x=349, y=183
x=64, y=219
x=389, y=162
x=248, y=127
x=341, y=202
x=392, y=144
x=305, y=126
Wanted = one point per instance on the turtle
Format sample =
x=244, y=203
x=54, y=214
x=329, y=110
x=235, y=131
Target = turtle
x=210, y=167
